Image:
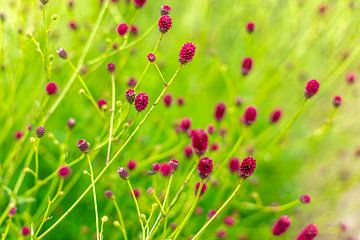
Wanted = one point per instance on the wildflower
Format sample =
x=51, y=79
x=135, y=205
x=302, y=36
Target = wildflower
x=167, y=100
x=187, y=53
x=337, y=101
x=229, y=220
x=185, y=124
x=311, y=88
x=199, y=141
x=211, y=129
x=130, y=95
x=188, y=151
x=132, y=164
x=123, y=172
x=249, y=116
x=134, y=29
x=219, y=111
x=12, y=211
x=51, y=88
x=308, y=233
x=281, y=225
x=203, y=188
x=139, y=3
x=156, y=167
x=71, y=123
x=83, y=145
x=64, y=171
x=350, y=78
x=211, y=213
x=102, y=104
x=250, y=27
x=246, y=65
x=214, y=147
x=180, y=101
x=164, y=23
x=174, y=164
x=234, y=164
x=18, y=134
x=151, y=57
x=221, y=234
x=136, y=193
x=132, y=82
x=73, y=25
x=141, y=101
x=108, y=193
x=122, y=29
x=165, y=9
x=247, y=167
x=25, y=231
x=205, y=167
x=165, y=169
x=306, y=199
x=275, y=115
x=40, y=131
x=62, y=53
x=111, y=67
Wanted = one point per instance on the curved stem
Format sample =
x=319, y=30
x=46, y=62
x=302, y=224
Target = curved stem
x=137, y=207
x=94, y=197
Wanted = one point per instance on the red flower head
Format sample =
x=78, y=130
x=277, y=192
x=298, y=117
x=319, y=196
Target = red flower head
x=205, y=167
x=141, y=101
x=64, y=171
x=83, y=145
x=203, y=188
x=132, y=82
x=102, y=103
x=199, y=141
x=188, y=151
x=250, y=27
x=308, y=233
x=306, y=199
x=18, y=134
x=136, y=193
x=211, y=129
x=187, y=53
x=151, y=57
x=246, y=65
x=40, y=131
x=234, y=165
x=350, y=78
x=229, y=220
x=123, y=172
x=62, y=53
x=165, y=9
x=156, y=167
x=174, y=164
x=134, y=30
x=12, y=211
x=211, y=213
x=122, y=29
x=111, y=67
x=164, y=23
x=311, y=88
x=139, y=3
x=108, y=193
x=165, y=169
x=221, y=234
x=337, y=100
x=185, y=124
x=281, y=225
x=180, y=101
x=71, y=123
x=247, y=167
x=275, y=115
x=167, y=100
x=51, y=88
x=130, y=95
x=73, y=25
x=219, y=112
x=132, y=164
x=25, y=231
x=249, y=116
x=214, y=147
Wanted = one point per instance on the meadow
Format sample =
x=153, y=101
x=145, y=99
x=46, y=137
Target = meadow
x=191, y=119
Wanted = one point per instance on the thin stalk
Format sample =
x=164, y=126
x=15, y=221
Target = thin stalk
x=94, y=197
x=123, y=229
x=111, y=118
x=159, y=71
x=137, y=207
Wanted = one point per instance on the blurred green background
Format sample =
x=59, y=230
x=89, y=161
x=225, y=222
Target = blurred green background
x=292, y=43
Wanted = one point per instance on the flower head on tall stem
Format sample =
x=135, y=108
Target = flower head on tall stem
x=83, y=145
x=25, y=231
x=165, y=169
x=229, y=220
x=205, y=167
x=187, y=53
x=203, y=188
x=18, y=134
x=139, y=3
x=102, y=104
x=123, y=172
x=305, y=199
x=12, y=211
x=350, y=78
x=249, y=116
x=151, y=57
x=174, y=164
x=311, y=88
x=164, y=23
x=51, y=88
x=71, y=123
x=199, y=140
x=246, y=65
x=134, y=30
x=141, y=101
x=234, y=165
x=188, y=151
x=168, y=99
x=219, y=112
x=130, y=95
x=247, y=167
x=185, y=124
x=132, y=82
x=281, y=225
x=308, y=233
x=64, y=171
x=250, y=27
x=165, y=9
x=122, y=29
x=132, y=164
x=337, y=100
x=275, y=115
x=62, y=53
x=40, y=131
x=111, y=67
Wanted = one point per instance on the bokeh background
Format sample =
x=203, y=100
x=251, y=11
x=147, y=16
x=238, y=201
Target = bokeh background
x=294, y=41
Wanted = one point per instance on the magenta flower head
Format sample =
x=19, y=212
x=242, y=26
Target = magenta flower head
x=132, y=164
x=165, y=169
x=18, y=134
x=308, y=233
x=188, y=151
x=350, y=78
x=130, y=95
x=234, y=165
x=246, y=65
x=123, y=172
x=229, y=220
x=83, y=145
x=156, y=167
x=151, y=57
x=185, y=124
x=199, y=140
x=281, y=225
x=25, y=231
x=131, y=82
x=180, y=101
x=62, y=53
x=167, y=100
x=165, y=9
x=219, y=111
x=214, y=147
x=247, y=167
x=108, y=193
x=139, y=3
x=71, y=123
x=122, y=29
x=64, y=171
x=134, y=30
x=203, y=188
x=311, y=88
x=250, y=27
x=164, y=23
x=111, y=67
x=221, y=234
x=275, y=115
x=136, y=193
x=141, y=101
x=51, y=88
x=102, y=104
x=174, y=164
x=249, y=116
x=40, y=131
x=12, y=211
x=305, y=199
x=73, y=25
x=211, y=129
x=205, y=167
x=337, y=100
x=187, y=53
x=211, y=213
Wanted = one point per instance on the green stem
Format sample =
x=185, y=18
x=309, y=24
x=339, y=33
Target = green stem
x=137, y=207
x=123, y=229
x=111, y=118
x=94, y=197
